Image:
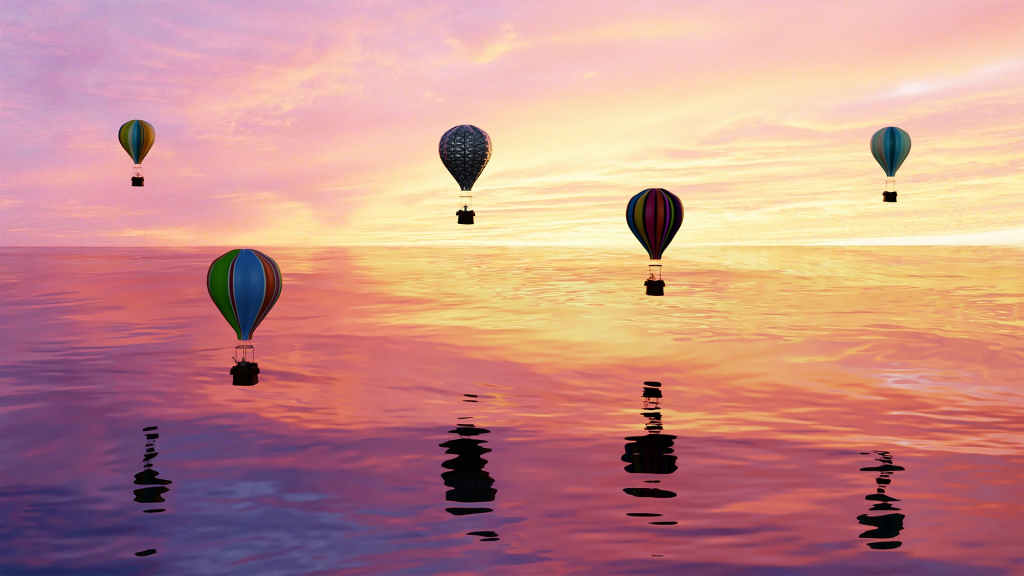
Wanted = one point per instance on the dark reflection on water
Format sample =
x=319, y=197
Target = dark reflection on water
x=155, y=487
x=889, y=524
x=330, y=466
x=466, y=477
x=651, y=453
x=649, y=492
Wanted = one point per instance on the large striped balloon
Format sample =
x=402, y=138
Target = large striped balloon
x=654, y=216
x=136, y=137
x=890, y=147
x=244, y=284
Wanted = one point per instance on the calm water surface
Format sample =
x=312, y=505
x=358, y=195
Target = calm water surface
x=820, y=411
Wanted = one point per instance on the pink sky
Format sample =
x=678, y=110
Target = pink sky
x=317, y=122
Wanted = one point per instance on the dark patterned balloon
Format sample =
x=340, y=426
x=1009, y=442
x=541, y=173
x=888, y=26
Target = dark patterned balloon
x=465, y=151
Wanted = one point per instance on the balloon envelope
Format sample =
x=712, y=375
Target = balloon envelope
x=136, y=137
x=244, y=284
x=654, y=216
x=465, y=151
x=890, y=147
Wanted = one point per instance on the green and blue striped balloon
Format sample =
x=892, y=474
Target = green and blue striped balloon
x=244, y=284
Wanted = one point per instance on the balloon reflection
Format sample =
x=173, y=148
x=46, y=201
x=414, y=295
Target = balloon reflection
x=155, y=487
x=465, y=475
x=885, y=526
x=651, y=453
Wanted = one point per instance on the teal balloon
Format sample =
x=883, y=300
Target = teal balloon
x=890, y=147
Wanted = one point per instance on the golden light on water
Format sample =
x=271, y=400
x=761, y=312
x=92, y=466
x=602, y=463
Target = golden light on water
x=779, y=366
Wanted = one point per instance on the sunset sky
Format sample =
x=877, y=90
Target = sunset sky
x=284, y=123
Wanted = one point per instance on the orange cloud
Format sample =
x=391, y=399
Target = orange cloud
x=329, y=118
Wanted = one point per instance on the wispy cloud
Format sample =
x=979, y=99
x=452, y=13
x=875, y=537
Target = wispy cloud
x=318, y=122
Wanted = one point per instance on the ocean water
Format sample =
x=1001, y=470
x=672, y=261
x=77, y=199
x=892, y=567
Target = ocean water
x=819, y=410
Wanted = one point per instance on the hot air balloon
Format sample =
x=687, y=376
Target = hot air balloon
x=890, y=147
x=244, y=284
x=654, y=216
x=465, y=151
x=137, y=137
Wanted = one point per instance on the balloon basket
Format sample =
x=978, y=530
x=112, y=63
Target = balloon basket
x=889, y=196
x=465, y=212
x=245, y=374
x=138, y=181
x=655, y=285
x=246, y=371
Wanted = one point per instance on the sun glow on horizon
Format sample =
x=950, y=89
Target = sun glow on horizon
x=303, y=124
